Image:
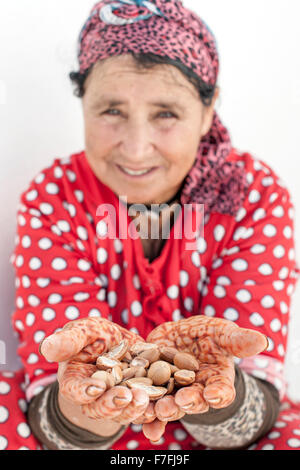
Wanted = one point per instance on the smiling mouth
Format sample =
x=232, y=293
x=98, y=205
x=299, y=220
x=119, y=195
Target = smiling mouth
x=136, y=173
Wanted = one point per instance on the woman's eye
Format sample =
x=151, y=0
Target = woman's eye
x=111, y=112
x=167, y=114
x=164, y=114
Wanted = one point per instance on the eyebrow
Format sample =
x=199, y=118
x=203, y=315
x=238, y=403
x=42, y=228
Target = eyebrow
x=107, y=101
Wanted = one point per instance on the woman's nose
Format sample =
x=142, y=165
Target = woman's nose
x=136, y=146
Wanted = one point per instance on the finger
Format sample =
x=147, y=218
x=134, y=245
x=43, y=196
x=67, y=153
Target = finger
x=190, y=399
x=219, y=392
x=240, y=342
x=78, y=334
x=166, y=409
x=110, y=404
x=148, y=416
x=76, y=383
x=189, y=332
x=61, y=369
x=130, y=336
x=224, y=367
x=164, y=334
x=136, y=408
x=153, y=431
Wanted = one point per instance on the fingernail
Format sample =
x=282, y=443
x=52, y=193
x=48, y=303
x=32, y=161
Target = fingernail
x=214, y=401
x=169, y=417
x=49, y=345
x=188, y=406
x=45, y=343
x=40, y=348
x=93, y=391
x=267, y=346
x=120, y=401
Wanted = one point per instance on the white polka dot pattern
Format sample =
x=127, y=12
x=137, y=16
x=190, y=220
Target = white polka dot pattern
x=264, y=263
x=243, y=270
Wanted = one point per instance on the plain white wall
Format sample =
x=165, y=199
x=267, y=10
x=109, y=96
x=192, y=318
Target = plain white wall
x=40, y=119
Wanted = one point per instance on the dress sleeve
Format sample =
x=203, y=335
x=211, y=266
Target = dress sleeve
x=249, y=418
x=253, y=277
x=56, y=278
x=56, y=432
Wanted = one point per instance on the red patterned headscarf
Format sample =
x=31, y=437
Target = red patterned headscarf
x=167, y=28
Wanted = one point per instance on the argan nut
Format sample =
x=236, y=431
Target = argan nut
x=154, y=393
x=173, y=369
x=140, y=372
x=159, y=372
x=140, y=347
x=152, y=355
x=105, y=376
x=124, y=365
x=129, y=373
x=104, y=363
x=185, y=361
x=139, y=362
x=127, y=357
x=185, y=377
x=119, y=351
x=170, y=385
x=117, y=374
x=167, y=353
x=142, y=380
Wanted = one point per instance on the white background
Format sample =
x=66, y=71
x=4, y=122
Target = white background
x=40, y=119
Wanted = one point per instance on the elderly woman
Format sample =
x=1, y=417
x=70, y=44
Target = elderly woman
x=89, y=275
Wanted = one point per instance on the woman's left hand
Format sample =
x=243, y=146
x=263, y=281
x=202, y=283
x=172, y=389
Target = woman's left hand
x=214, y=342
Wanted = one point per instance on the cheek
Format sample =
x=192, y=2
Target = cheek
x=183, y=151
x=98, y=138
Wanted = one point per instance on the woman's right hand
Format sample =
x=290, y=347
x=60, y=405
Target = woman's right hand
x=76, y=348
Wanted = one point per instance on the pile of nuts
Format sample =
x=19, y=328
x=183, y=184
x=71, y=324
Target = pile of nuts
x=157, y=370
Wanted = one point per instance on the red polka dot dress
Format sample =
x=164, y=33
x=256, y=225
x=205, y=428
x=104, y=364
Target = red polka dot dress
x=241, y=268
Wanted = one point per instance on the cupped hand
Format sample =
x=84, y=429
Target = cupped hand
x=214, y=342
x=76, y=348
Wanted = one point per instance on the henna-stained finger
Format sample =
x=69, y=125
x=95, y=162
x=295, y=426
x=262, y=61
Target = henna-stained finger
x=77, y=385
x=153, y=431
x=237, y=341
x=110, y=404
x=227, y=335
x=130, y=336
x=61, y=368
x=166, y=409
x=219, y=392
x=136, y=408
x=190, y=399
x=148, y=416
x=76, y=335
x=225, y=368
x=163, y=335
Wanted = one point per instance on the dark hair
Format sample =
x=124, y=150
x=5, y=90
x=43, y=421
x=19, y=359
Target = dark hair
x=149, y=60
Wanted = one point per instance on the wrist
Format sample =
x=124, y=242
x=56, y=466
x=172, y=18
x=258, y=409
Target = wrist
x=73, y=413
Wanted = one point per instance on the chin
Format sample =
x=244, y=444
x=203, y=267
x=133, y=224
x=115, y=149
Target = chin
x=138, y=200
x=137, y=196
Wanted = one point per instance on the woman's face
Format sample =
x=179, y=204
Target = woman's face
x=137, y=120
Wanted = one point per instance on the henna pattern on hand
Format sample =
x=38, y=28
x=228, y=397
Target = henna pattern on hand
x=213, y=341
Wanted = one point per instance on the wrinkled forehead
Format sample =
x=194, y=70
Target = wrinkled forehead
x=111, y=72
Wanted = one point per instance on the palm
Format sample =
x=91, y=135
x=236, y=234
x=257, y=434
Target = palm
x=213, y=342
x=76, y=348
